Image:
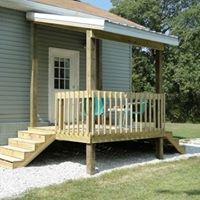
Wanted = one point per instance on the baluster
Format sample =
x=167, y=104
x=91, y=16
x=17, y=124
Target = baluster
x=64, y=111
x=83, y=112
x=56, y=111
x=98, y=112
x=88, y=114
x=154, y=110
x=104, y=115
x=68, y=112
x=145, y=111
x=121, y=105
x=93, y=114
x=59, y=108
x=158, y=97
x=136, y=112
x=110, y=113
x=126, y=110
x=116, y=112
x=78, y=111
x=141, y=120
x=131, y=112
x=150, y=112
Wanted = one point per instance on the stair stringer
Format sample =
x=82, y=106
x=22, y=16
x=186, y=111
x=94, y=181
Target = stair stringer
x=35, y=153
x=174, y=142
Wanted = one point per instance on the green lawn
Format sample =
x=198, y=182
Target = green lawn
x=178, y=180
x=186, y=130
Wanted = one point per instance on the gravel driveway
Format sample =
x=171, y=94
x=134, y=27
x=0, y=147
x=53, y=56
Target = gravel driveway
x=64, y=161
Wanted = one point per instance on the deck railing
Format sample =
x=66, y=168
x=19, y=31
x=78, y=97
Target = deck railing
x=106, y=112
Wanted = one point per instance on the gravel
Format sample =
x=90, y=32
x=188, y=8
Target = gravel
x=67, y=162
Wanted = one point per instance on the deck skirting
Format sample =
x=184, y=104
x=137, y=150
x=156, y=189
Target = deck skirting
x=125, y=136
x=103, y=138
x=74, y=138
x=89, y=138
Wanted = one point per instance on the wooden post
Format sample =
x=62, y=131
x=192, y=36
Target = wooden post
x=90, y=158
x=159, y=89
x=98, y=65
x=159, y=148
x=91, y=84
x=61, y=114
x=158, y=67
x=90, y=61
x=33, y=87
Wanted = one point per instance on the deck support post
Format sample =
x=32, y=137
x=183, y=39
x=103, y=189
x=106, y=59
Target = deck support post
x=159, y=148
x=159, y=89
x=90, y=158
x=33, y=86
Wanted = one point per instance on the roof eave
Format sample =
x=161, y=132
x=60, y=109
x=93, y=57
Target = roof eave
x=104, y=25
x=140, y=33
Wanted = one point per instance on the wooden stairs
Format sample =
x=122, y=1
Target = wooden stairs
x=175, y=142
x=22, y=150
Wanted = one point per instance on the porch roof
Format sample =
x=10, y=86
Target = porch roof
x=103, y=26
x=83, y=15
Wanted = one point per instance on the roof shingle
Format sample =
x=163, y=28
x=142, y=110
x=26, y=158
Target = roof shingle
x=89, y=9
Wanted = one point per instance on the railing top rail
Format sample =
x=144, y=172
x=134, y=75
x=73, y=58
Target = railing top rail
x=108, y=91
x=108, y=94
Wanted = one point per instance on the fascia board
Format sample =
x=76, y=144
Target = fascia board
x=91, y=23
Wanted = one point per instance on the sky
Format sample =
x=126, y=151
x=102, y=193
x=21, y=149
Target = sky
x=105, y=4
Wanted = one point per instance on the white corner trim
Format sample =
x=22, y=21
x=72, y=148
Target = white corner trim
x=92, y=23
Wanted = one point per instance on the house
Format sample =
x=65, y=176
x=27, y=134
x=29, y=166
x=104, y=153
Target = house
x=65, y=74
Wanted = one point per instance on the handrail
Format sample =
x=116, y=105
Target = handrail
x=108, y=112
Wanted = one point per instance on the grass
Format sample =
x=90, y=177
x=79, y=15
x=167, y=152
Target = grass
x=186, y=130
x=174, y=181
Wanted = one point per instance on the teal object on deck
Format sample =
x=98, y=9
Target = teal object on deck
x=143, y=105
x=98, y=106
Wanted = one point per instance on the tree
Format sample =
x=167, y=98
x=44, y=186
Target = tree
x=182, y=71
x=182, y=64
x=154, y=14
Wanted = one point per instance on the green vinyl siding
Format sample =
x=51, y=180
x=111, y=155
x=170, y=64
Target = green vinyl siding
x=116, y=66
x=14, y=66
x=58, y=38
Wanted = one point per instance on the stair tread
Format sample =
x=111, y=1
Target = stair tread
x=35, y=132
x=27, y=141
x=40, y=132
x=9, y=158
x=17, y=149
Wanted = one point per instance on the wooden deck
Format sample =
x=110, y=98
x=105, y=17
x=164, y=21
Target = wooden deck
x=107, y=116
